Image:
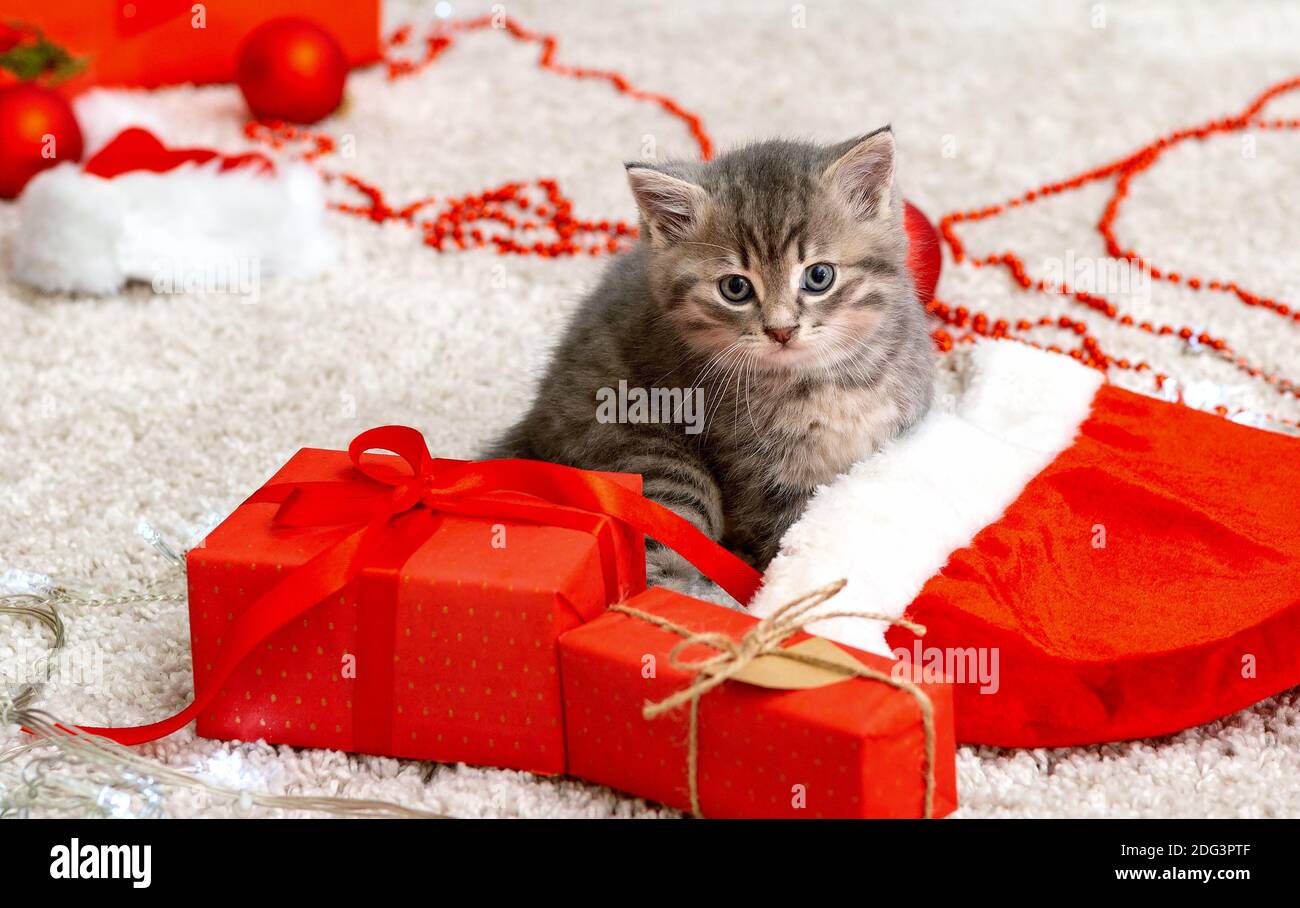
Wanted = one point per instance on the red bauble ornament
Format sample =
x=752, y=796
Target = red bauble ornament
x=37, y=130
x=291, y=69
x=923, y=256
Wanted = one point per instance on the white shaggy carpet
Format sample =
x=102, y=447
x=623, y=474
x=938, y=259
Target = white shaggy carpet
x=170, y=408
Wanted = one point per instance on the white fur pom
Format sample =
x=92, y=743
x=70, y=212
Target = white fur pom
x=71, y=227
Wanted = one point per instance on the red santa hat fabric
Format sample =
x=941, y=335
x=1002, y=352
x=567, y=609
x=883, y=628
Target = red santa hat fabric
x=1092, y=565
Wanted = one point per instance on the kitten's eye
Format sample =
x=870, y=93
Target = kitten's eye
x=818, y=278
x=735, y=289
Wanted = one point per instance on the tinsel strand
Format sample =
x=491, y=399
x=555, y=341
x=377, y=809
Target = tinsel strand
x=117, y=781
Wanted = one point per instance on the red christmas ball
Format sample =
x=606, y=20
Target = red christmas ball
x=291, y=69
x=37, y=130
x=923, y=256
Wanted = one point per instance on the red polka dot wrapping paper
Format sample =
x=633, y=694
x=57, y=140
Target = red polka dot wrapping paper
x=855, y=748
x=451, y=657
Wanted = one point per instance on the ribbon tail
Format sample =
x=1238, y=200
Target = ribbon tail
x=302, y=589
x=738, y=578
x=577, y=488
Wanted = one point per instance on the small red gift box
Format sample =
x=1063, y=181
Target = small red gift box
x=764, y=744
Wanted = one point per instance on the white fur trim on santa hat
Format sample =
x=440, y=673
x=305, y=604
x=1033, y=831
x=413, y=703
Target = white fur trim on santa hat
x=195, y=227
x=891, y=523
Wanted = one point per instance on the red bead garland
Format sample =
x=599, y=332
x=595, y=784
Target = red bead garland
x=1089, y=351
x=510, y=219
x=504, y=217
x=1115, y=249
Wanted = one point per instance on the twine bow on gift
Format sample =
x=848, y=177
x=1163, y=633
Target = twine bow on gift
x=736, y=657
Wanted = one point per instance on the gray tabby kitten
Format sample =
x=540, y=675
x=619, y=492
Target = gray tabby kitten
x=774, y=279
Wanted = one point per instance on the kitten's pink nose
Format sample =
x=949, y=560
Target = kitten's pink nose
x=781, y=335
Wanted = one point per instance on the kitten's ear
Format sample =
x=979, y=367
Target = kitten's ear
x=669, y=206
x=863, y=173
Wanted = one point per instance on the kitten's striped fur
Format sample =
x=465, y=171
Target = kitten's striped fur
x=781, y=418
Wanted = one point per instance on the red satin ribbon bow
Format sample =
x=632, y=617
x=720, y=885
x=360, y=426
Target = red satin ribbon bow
x=394, y=512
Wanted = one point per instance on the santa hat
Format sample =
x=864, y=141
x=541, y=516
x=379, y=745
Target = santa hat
x=1096, y=565
x=174, y=218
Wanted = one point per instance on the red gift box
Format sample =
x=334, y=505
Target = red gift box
x=451, y=654
x=855, y=747
x=147, y=43
x=410, y=606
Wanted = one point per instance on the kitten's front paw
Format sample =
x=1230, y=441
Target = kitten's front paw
x=668, y=576
x=676, y=574
x=664, y=567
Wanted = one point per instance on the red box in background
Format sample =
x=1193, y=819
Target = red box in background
x=450, y=656
x=147, y=43
x=856, y=747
